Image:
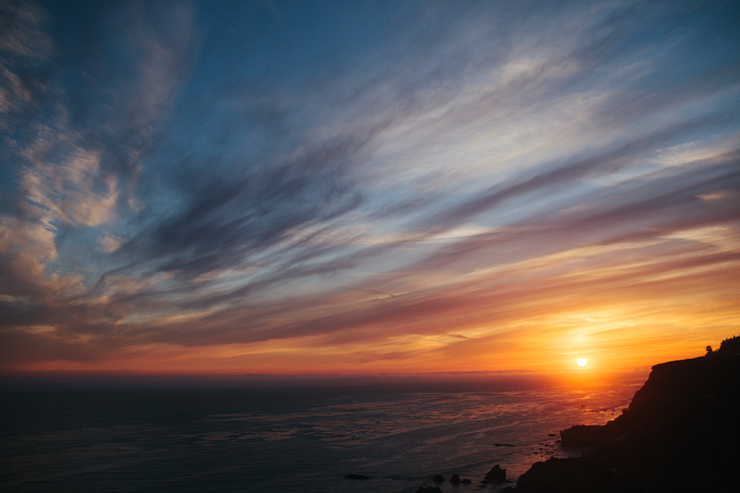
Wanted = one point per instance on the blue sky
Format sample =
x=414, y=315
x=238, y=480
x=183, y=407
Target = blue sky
x=357, y=186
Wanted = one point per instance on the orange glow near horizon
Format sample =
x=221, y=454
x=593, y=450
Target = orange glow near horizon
x=545, y=351
x=539, y=337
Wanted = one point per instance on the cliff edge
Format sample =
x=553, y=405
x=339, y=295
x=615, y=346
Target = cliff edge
x=681, y=432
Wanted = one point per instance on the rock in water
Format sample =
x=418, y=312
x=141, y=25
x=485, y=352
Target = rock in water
x=429, y=489
x=438, y=478
x=455, y=479
x=495, y=475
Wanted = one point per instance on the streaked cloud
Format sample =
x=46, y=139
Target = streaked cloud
x=334, y=187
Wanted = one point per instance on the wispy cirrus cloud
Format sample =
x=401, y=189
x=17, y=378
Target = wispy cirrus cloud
x=419, y=180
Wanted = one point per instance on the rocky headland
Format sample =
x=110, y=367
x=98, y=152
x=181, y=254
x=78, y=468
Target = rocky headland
x=681, y=432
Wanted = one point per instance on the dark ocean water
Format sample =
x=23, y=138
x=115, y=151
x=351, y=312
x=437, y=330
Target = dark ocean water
x=288, y=439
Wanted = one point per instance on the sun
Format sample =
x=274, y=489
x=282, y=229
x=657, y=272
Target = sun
x=582, y=362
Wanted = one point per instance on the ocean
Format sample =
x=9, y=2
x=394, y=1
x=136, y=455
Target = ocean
x=283, y=438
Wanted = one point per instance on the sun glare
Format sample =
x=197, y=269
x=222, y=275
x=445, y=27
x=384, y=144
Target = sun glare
x=582, y=361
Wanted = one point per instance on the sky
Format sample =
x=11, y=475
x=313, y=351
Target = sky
x=287, y=187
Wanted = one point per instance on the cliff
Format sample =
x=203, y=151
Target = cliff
x=680, y=433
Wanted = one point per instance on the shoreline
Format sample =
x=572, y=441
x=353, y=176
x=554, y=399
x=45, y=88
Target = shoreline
x=680, y=433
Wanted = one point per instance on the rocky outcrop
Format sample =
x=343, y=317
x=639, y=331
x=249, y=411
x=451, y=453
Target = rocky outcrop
x=428, y=489
x=681, y=432
x=582, y=474
x=495, y=475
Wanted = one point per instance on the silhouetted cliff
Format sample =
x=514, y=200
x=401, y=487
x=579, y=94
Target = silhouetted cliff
x=680, y=433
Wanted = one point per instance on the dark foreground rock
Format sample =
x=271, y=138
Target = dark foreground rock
x=495, y=475
x=680, y=433
x=429, y=489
